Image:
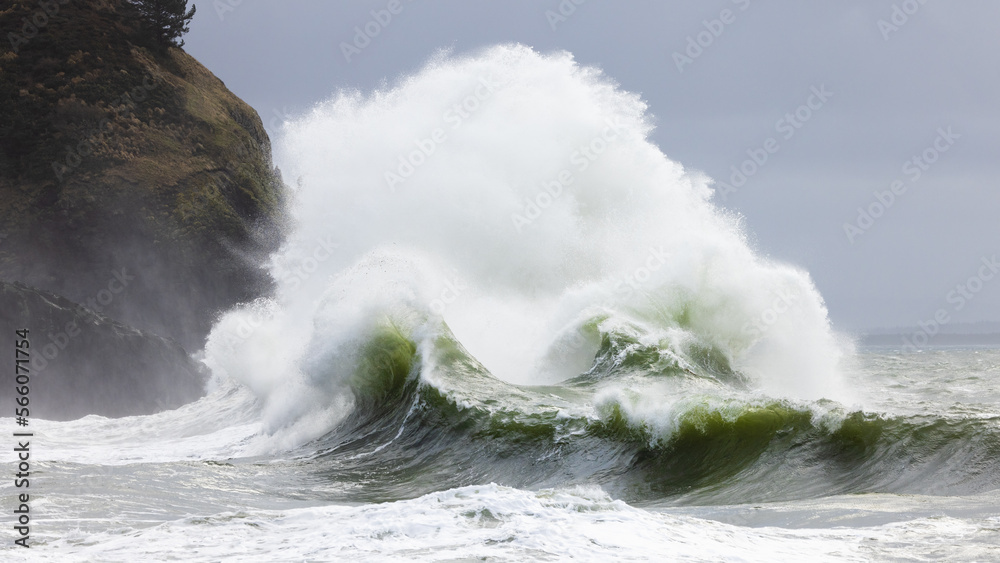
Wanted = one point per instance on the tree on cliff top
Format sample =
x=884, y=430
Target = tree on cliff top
x=167, y=19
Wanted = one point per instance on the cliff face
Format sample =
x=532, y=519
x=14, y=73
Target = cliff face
x=128, y=167
x=84, y=363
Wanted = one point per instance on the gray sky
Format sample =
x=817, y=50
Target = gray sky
x=892, y=87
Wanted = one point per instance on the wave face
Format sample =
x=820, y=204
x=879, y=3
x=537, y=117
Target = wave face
x=496, y=276
x=654, y=433
x=509, y=327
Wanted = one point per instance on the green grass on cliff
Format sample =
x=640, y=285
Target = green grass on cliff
x=90, y=102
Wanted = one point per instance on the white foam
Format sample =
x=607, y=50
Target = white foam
x=629, y=232
x=505, y=524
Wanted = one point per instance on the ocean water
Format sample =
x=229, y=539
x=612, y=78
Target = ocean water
x=509, y=328
x=515, y=474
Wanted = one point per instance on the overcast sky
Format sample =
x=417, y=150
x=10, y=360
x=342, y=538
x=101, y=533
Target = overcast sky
x=887, y=82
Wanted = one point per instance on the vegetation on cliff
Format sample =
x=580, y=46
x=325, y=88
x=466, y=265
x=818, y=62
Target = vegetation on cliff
x=166, y=19
x=119, y=154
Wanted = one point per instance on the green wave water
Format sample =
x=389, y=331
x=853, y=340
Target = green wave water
x=449, y=423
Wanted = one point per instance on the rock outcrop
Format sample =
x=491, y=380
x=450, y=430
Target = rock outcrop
x=84, y=363
x=138, y=200
x=119, y=155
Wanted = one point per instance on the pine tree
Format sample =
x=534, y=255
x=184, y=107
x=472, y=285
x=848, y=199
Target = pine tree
x=167, y=20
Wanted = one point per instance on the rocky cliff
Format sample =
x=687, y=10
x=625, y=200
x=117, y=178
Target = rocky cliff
x=81, y=362
x=119, y=156
x=133, y=183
